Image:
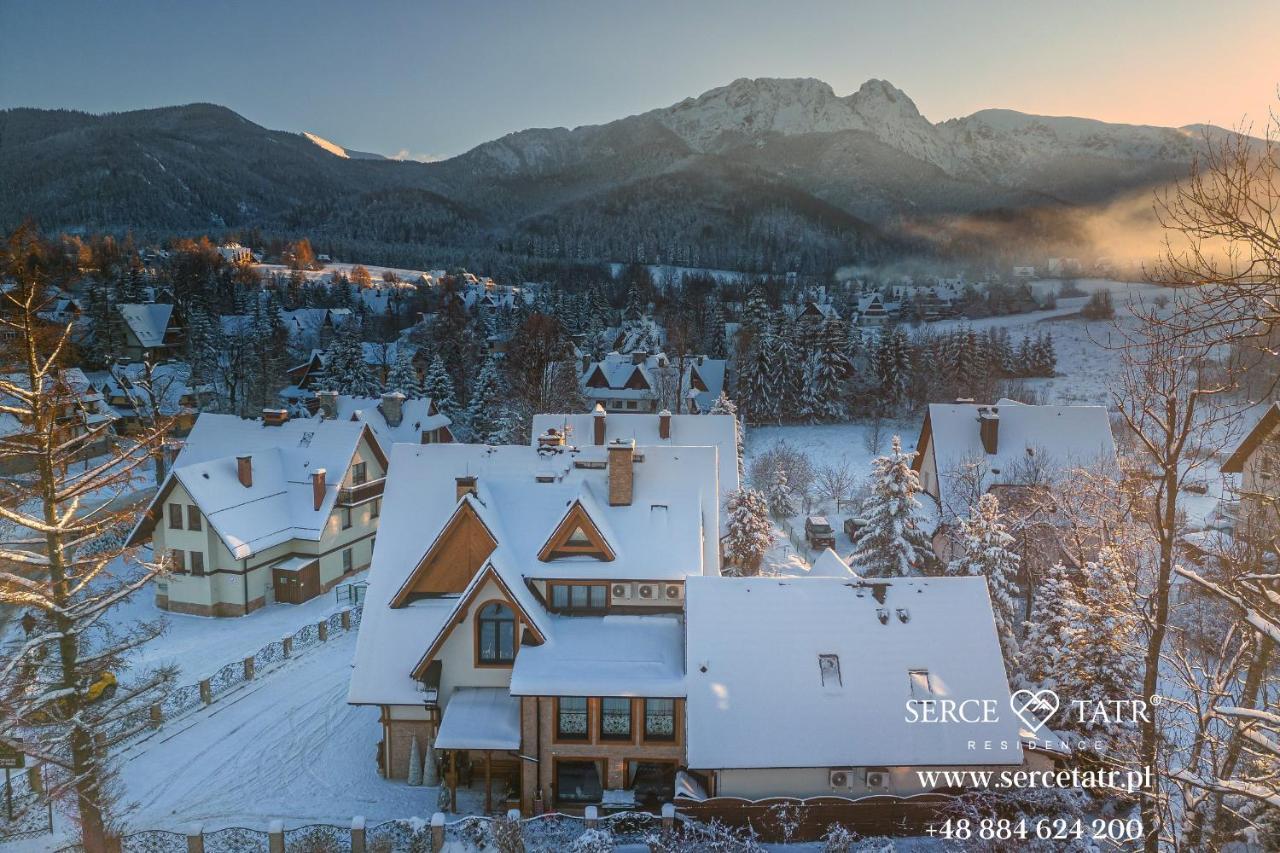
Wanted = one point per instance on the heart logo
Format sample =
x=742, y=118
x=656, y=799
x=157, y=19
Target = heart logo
x=1034, y=709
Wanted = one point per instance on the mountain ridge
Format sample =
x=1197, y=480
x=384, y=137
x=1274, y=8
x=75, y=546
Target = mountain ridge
x=764, y=172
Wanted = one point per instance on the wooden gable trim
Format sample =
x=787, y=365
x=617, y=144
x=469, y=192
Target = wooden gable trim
x=597, y=378
x=926, y=438
x=557, y=544
x=459, y=615
x=636, y=381
x=366, y=433
x=1235, y=462
x=464, y=511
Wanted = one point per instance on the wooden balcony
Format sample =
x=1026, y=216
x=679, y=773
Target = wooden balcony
x=349, y=495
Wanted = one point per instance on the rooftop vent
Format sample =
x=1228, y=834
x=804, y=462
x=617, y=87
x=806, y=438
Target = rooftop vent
x=829, y=670
x=882, y=613
x=904, y=615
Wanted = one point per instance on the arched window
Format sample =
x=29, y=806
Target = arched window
x=496, y=627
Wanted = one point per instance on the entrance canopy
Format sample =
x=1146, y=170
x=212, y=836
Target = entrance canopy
x=480, y=718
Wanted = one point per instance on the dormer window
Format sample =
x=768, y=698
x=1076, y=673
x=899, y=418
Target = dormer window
x=829, y=670
x=578, y=538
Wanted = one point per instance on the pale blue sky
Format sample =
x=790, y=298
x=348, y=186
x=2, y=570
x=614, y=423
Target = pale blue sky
x=434, y=78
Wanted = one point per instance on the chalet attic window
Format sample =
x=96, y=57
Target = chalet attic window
x=578, y=538
x=496, y=625
x=175, y=516
x=346, y=517
x=359, y=474
x=579, y=596
x=829, y=670
x=193, y=518
x=197, y=563
x=177, y=560
x=921, y=687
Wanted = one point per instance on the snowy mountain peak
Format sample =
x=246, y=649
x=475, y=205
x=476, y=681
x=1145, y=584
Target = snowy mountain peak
x=338, y=151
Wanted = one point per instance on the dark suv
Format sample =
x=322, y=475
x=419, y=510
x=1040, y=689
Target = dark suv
x=818, y=532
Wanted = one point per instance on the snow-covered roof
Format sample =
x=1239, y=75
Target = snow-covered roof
x=1056, y=436
x=753, y=662
x=1261, y=429
x=480, y=718
x=279, y=504
x=416, y=418
x=615, y=655
x=830, y=565
x=686, y=430
x=147, y=320
x=668, y=532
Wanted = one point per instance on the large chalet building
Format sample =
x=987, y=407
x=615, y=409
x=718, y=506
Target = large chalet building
x=1257, y=461
x=256, y=511
x=643, y=382
x=548, y=624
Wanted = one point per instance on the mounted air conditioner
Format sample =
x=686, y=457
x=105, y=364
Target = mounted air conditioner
x=877, y=780
x=620, y=591
x=673, y=591
x=840, y=779
x=647, y=591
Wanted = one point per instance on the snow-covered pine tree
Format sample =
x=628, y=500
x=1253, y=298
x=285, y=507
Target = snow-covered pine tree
x=781, y=501
x=437, y=386
x=403, y=375
x=750, y=532
x=829, y=371
x=757, y=385
x=893, y=544
x=1047, y=653
x=791, y=374
x=893, y=366
x=808, y=407
x=1107, y=649
x=415, y=763
x=986, y=548
x=724, y=406
x=490, y=418
x=345, y=370
x=63, y=566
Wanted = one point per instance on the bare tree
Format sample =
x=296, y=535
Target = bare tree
x=61, y=560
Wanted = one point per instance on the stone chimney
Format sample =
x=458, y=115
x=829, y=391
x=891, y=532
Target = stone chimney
x=621, y=471
x=317, y=488
x=664, y=424
x=598, y=434
x=393, y=408
x=465, y=486
x=552, y=438
x=989, y=428
x=328, y=404
x=244, y=470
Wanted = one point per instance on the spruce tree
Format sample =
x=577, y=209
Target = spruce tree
x=986, y=549
x=437, y=386
x=893, y=544
x=403, y=376
x=490, y=418
x=724, y=406
x=757, y=383
x=345, y=369
x=749, y=531
x=781, y=500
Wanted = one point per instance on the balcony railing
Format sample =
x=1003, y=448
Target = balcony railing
x=348, y=495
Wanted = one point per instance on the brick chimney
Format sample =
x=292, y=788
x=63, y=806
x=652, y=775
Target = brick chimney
x=664, y=423
x=328, y=404
x=393, y=408
x=989, y=428
x=465, y=486
x=599, y=416
x=244, y=470
x=317, y=488
x=621, y=471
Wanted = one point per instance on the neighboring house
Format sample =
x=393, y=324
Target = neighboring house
x=873, y=310
x=234, y=253
x=801, y=687
x=125, y=389
x=393, y=418
x=966, y=448
x=81, y=410
x=644, y=382
x=1257, y=461
x=661, y=430
x=151, y=331
x=524, y=616
x=255, y=511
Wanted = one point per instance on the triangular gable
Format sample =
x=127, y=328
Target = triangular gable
x=597, y=379
x=453, y=559
x=637, y=381
x=457, y=616
x=154, y=512
x=577, y=535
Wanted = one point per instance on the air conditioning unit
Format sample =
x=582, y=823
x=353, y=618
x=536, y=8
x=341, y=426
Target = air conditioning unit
x=840, y=779
x=878, y=780
x=620, y=591
x=673, y=591
x=647, y=591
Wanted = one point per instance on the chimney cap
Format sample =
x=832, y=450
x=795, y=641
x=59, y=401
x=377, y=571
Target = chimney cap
x=598, y=411
x=622, y=444
x=392, y=395
x=318, y=472
x=467, y=479
x=665, y=413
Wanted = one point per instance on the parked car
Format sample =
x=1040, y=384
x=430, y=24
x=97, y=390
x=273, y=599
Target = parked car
x=818, y=532
x=853, y=528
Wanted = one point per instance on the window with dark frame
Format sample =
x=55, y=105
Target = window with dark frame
x=497, y=628
x=359, y=474
x=193, y=518
x=659, y=719
x=571, y=718
x=175, y=516
x=578, y=782
x=348, y=561
x=375, y=509
x=579, y=596
x=177, y=560
x=615, y=718
x=197, y=562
